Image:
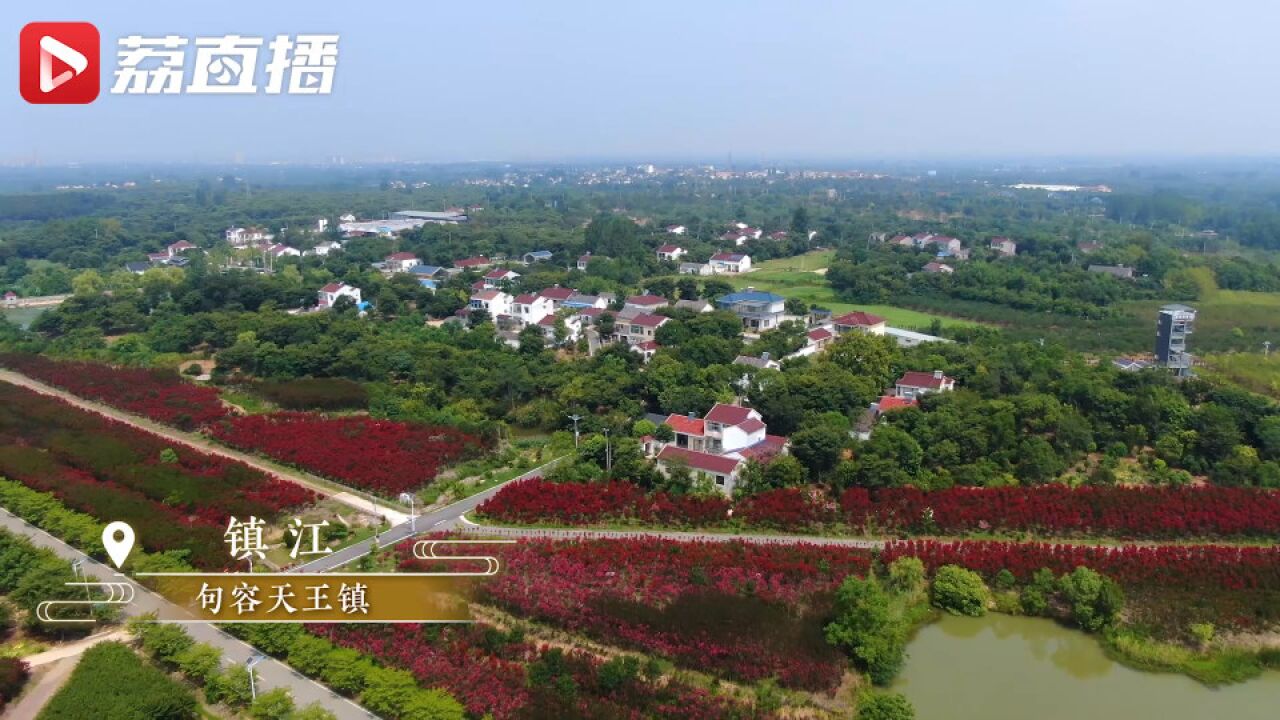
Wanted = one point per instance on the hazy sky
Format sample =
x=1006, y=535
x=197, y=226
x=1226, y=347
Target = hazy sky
x=767, y=81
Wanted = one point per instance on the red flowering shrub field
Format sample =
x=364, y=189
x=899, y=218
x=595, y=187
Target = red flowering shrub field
x=498, y=675
x=161, y=395
x=113, y=471
x=742, y=611
x=382, y=456
x=1051, y=510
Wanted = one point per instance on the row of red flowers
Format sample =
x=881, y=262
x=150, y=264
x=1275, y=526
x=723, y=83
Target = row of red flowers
x=1128, y=512
x=382, y=456
x=740, y=610
x=113, y=471
x=161, y=395
x=489, y=673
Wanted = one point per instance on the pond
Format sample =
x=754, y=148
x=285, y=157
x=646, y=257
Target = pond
x=1001, y=667
x=22, y=317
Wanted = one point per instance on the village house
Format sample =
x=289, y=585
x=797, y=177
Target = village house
x=11, y=299
x=496, y=277
x=325, y=248
x=915, y=384
x=1116, y=271
x=242, y=237
x=179, y=247
x=778, y=235
x=737, y=237
x=137, y=267
x=530, y=309
x=758, y=310
x=692, y=268
x=583, y=261
x=329, y=295
x=730, y=263
x=558, y=295
x=720, y=469
x=479, y=262
x=646, y=303
x=937, y=268
x=859, y=321
x=572, y=325
x=698, y=306
x=494, y=302
x=1004, y=246
x=671, y=252
x=400, y=262
x=639, y=328
x=537, y=256
x=278, y=251
x=646, y=350
x=677, y=229
x=579, y=301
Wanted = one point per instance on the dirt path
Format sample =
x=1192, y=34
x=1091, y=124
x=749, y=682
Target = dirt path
x=43, y=687
x=72, y=649
x=198, y=442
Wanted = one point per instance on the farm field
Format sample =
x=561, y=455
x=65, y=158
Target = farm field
x=1251, y=370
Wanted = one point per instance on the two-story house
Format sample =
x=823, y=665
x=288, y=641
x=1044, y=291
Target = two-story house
x=494, y=302
x=494, y=278
x=671, y=252
x=639, y=328
x=558, y=295
x=329, y=294
x=915, y=384
x=400, y=262
x=530, y=309
x=759, y=310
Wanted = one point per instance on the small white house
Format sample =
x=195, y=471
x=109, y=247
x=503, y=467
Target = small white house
x=329, y=294
x=730, y=263
x=530, y=309
x=671, y=252
x=401, y=262
x=494, y=302
x=692, y=268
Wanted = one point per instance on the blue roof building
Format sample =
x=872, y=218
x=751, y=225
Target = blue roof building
x=759, y=310
x=537, y=256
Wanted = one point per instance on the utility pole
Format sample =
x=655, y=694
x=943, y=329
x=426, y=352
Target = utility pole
x=575, y=418
x=608, y=453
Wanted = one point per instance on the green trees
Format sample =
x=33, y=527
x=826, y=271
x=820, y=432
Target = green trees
x=113, y=682
x=867, y=629
x=1095, y=600
x=884, y=706
x=960, y=591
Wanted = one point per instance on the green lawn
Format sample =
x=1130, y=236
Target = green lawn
x=795, y=277
x=1250, y=370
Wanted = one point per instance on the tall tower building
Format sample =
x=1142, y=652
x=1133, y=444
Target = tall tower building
x=1173, y=325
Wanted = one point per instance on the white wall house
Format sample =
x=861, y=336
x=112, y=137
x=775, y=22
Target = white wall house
x=730, y=263
x=494, y=302
x=329, y=294
x=530, y=309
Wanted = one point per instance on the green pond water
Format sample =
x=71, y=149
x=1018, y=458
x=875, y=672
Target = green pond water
x=1001, y=667
x=22, y=317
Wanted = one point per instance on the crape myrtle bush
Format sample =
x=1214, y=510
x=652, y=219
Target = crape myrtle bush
x=13, y=675
x=739, y=610
x=1128, y=512
x=382, y=456
x=115, y=472
x=161, y=395
x=502, y=676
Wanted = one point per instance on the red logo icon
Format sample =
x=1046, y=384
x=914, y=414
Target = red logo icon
x=58, y=63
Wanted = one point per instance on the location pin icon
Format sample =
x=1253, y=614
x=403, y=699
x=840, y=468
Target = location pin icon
x=117, y=538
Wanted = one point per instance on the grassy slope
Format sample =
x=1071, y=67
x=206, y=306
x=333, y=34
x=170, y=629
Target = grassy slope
x=794, y=277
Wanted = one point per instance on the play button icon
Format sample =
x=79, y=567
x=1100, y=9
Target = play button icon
x=58, y=63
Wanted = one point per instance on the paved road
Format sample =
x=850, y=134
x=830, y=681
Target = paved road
x=346, y=497
x=270, y=673
x=445, y=518
x=567, y=533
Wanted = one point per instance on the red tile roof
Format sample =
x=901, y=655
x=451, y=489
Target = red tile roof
x=548, y=321
x=700, y=460
x=728, y=257
x=648, y=320
x=526, y=298
x=592, y=311
x=751, y=425
x=920, y=379
x=397, y=257
x=647, y=345
x=647, y=300
x=471, y=261
x=487, y=294
x=668, y=248
x=858, y=318
x=331, y=288
x=685, y=424
x=893, y=402
x=770, y=446
x=820, y=334
x=728, y=414
x=499, y=274
x=557, y=293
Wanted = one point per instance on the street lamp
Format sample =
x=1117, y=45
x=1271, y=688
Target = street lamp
x=249, y=665
x=575, y=419
x=608, y=453
x=77, y=569
x=413, y=516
